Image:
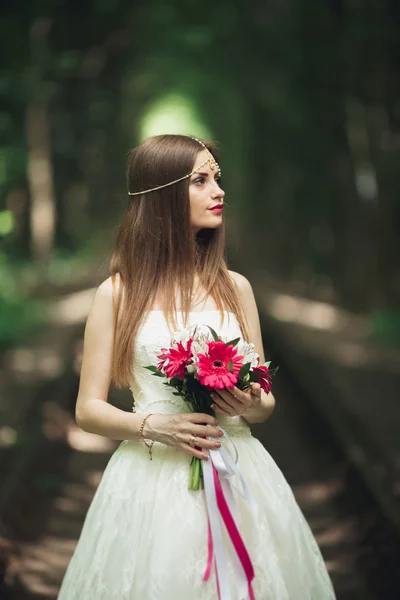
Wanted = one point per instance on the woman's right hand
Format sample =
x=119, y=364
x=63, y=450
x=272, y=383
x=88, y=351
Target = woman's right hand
x=177, y=429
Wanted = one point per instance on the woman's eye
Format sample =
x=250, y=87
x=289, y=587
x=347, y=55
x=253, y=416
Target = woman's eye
x=201, y=180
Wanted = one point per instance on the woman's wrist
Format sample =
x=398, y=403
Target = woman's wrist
x=260, y=411
x=142, y=436
x=147, y=431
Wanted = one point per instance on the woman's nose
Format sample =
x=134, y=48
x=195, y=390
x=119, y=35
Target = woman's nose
x=218, y=191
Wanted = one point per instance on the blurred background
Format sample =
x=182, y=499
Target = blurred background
x=303, y=99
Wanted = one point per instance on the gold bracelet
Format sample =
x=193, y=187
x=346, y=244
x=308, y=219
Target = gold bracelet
x=150, y=446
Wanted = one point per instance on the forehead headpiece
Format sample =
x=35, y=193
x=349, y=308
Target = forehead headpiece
x=210, y=160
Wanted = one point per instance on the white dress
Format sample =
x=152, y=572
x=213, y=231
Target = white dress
x=145, y=533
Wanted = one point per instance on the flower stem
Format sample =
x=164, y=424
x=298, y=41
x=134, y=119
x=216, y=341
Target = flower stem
x=196, y=474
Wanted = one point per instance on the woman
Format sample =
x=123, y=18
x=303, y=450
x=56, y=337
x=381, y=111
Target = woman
x=145, y=533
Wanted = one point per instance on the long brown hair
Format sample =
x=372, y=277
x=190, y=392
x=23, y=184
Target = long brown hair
x=155, y=250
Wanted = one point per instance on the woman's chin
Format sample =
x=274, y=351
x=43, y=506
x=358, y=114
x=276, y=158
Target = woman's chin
x=212, y=222
x=215, y=220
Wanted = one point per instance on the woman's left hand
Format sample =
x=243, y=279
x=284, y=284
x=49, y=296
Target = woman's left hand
x=233, y=401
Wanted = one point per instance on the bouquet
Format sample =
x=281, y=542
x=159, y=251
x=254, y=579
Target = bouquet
x=199, y=361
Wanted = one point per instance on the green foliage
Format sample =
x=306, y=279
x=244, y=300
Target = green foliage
x=20, y=315
x=301, y=99
x=6, y=222
x=158, y=373
x=385, y=326
x=244, y=370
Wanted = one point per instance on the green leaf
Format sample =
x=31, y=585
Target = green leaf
x=244, y=370
x=230, y=366
x=214, y=334
x=159, y=374
x=233, y=342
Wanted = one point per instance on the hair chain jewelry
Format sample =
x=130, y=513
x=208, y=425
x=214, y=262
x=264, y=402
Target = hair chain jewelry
x=210, y=160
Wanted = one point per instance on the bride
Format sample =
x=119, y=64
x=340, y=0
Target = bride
x=145, y=535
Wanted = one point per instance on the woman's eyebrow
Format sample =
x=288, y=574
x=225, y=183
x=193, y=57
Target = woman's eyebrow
x=204, y=174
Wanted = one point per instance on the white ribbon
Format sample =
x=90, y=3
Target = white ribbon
x=226, y=469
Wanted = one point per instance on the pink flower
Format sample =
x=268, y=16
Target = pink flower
x=264, y=378
x=163, y=356
x=213, y=367
x=174, y=361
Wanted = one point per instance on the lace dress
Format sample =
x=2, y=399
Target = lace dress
x=145, y=533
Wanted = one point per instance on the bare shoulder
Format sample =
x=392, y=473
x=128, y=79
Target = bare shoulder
x=105, y=289
x=110, y=284
x=104, y=293
x=248, y=301
x=242, y=282
x=245, y=291
x=102, y=309
x=104, y=296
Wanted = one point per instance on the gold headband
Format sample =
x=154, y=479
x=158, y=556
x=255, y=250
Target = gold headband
x=210, y=160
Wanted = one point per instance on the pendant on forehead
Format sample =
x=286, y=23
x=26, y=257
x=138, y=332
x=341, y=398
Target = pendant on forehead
x=212, y=163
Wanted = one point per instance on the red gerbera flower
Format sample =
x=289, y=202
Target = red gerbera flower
x=213, y=367
x=264, y=378
x=163, y=356
x=174, y=361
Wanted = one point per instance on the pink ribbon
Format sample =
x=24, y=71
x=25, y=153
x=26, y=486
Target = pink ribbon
x=210, y=554
x=226, y=513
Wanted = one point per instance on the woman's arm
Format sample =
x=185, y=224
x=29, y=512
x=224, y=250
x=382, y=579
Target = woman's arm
x=262, y=411
x=93, y=413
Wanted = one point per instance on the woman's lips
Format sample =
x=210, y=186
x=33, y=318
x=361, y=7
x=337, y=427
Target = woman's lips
x=216, y=208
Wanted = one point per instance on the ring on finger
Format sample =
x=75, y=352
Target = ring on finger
x=192, y=440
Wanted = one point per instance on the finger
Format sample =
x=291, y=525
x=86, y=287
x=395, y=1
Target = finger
x=235, y=397
x=194, y=452
x=225, y=395
x=220, y=402
x=238, y=394
x=203, y=443
x=202, y=418
x=256, y=389
x=205, y=431
x=220, y=411
x=237, y=404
